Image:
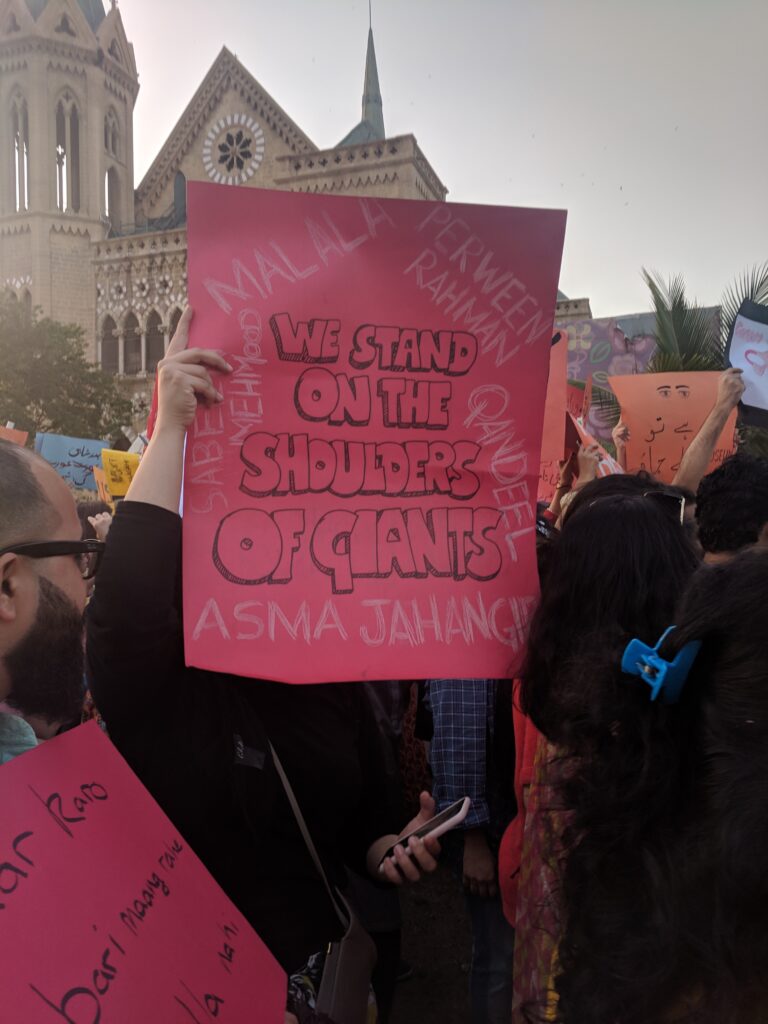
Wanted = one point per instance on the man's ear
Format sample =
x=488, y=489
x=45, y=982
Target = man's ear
x=10, y=566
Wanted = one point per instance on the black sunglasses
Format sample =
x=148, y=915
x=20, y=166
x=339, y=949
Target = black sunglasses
x=87, y=553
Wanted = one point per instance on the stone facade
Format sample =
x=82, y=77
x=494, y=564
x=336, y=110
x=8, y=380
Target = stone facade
x=571, y=310
x=79, y=242
x=67, y=92
x=76, y=240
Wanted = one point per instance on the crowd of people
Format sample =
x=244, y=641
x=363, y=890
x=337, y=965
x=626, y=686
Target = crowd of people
x=610, y=860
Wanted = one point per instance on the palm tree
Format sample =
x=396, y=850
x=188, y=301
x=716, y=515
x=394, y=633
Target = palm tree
x=687, y=335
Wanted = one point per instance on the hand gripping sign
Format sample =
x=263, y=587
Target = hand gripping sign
x=107, y=915
x=361, y=503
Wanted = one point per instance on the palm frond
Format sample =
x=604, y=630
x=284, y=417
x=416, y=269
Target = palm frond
x=750, y=284
x=687, y=335
x=607, y=405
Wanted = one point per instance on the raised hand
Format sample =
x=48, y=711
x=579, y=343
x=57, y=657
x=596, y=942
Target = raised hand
x=588, y=460
x=101, y=524
x=620, y=435
x=730, y=388
x=184, y=379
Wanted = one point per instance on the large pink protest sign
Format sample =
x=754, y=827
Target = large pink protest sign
x=107, y=915
x=361, y=503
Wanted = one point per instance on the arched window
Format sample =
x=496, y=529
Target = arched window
x=132, y=344
x=109, y=348
x=112, y=198
x=155, y=341
x=180, y=198
x=173, y=322
x=67, y=156
x=19, y=197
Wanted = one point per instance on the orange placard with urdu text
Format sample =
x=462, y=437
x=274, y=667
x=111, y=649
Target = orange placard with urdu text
x=664, y=412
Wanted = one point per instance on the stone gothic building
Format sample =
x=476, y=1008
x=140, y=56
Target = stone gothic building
x=81, y=241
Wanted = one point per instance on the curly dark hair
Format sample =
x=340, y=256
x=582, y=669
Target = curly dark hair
x=732, y=504
x=665, y=893
x=621, y=564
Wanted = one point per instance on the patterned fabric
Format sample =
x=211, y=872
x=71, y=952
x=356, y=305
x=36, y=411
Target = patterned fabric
x=414, y=769
x=462, y=712
x=537, y=923
x=304, y=985
x=461, y=753
x=303, y=989
x=527, y=738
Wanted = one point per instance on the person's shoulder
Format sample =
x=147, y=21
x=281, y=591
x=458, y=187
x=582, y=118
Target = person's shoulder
x=144, y=512
x=16, y=737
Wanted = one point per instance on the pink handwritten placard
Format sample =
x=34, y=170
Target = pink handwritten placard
x=361, y=503
x=107, y=915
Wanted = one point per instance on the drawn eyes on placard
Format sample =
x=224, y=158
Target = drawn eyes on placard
x=681, y=390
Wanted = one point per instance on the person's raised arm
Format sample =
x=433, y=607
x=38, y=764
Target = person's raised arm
x=134, y=636
x=620, y=435
x=588, y=461
x=699, y=454
x=565, y=479
x=183, y=381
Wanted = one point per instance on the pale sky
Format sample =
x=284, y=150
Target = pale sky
x=646, y=119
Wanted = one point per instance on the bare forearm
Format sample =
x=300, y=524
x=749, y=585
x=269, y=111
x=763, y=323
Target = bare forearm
x=555, y=504
x=697, y=458
x=158, y=478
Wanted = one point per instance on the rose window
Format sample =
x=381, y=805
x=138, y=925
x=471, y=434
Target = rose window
x=233, y=149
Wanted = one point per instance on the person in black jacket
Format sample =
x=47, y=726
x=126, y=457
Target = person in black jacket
x=200, y=740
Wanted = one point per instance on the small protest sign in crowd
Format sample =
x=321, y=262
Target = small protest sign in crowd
x=376, y=599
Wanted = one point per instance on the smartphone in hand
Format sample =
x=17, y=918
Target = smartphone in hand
x=443, y=822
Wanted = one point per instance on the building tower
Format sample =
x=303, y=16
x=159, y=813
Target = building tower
x=68, y=85
x=371, y=126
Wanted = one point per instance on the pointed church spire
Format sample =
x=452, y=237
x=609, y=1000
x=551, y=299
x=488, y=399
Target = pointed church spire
x=373, y=111
x=371, y=127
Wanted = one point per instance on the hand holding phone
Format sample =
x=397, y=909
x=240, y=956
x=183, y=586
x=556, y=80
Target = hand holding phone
x=434, y=828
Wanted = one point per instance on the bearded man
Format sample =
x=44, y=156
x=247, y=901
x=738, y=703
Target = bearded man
x=44, y=565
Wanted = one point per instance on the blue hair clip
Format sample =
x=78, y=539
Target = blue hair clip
x=665, y=677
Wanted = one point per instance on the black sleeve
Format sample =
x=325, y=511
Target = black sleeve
x=380, y=811
x=134, y=639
